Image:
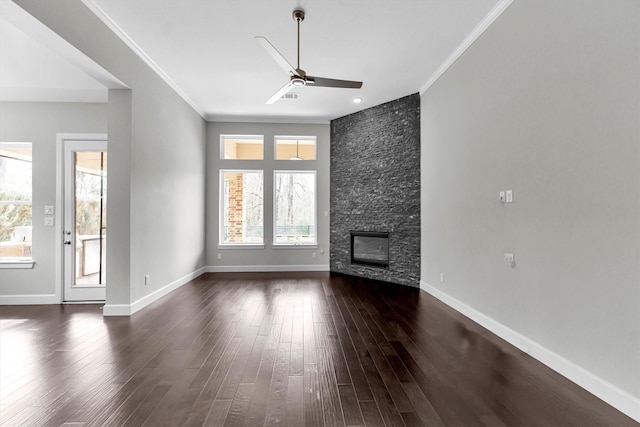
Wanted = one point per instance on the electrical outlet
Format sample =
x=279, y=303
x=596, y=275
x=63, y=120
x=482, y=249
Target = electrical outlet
x=219, y=256
x=313, y=255
x=441, y=277
x=147, y=279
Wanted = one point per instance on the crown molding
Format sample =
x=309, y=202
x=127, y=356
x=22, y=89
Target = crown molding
x=219, y=118
x=466, y=43
x=111, y=24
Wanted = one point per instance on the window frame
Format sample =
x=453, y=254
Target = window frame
x=295, y=138
x=20, y=261
x=221, y=221
x=280, y=245
x=224, y=137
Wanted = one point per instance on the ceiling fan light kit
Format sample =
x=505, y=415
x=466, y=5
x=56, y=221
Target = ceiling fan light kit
x=297, y=76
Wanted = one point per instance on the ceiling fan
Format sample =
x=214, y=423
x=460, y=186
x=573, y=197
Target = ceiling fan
x=298, y=77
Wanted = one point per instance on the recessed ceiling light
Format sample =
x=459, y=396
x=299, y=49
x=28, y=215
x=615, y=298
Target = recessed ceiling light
x=357, y=100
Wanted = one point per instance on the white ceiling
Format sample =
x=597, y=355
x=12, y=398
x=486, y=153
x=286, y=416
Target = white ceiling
x=206, y=50
x=37, y=65
x=54, y=80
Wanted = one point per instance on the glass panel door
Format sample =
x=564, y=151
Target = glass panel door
x=90, y=216
x=85, y=231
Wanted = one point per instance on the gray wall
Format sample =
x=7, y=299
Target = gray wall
x=39, y=123
x=268, y=258
x=546, y=102
x=375, y=186
x=159, y=153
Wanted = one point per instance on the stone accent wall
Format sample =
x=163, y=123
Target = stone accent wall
x=375, y=186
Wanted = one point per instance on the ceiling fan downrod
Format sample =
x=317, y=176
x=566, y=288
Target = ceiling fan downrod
x=298, y=16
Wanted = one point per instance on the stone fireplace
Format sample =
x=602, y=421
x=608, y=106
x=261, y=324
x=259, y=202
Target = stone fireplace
x=375, y=187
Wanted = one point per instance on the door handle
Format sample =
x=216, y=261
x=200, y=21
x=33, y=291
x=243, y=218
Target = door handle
x=67, y=242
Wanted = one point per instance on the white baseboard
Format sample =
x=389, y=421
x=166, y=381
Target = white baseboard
x=264, y=268
x=116, y=310
x=619, y=399
x=29, y=299
x=129, y=309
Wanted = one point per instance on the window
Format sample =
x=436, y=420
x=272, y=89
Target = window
x=290, y=191
x=242, y=147
x=15, y=200
x=242, y=207
x=295, y=207
x=295, y=148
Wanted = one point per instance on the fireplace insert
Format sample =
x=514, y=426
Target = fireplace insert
x=370, y=248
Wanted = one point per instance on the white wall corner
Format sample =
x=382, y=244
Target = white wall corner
x=619, y=399
x=265, y=268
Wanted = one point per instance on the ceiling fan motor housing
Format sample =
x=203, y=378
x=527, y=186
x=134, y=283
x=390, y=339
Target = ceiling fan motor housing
x=298, y=15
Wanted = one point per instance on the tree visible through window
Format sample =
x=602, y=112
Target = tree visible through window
x=295, y=207
x=15, y=200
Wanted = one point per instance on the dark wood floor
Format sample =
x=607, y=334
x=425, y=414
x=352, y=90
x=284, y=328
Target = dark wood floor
x=277, y=349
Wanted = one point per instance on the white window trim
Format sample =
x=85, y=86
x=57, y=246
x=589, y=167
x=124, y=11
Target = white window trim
x=235, y=245
x=277, y=245
x=16, y=263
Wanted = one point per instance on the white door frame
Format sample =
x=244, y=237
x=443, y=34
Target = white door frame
x=59, y=225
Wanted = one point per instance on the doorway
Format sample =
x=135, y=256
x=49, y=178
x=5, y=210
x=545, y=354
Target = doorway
x=84, y=225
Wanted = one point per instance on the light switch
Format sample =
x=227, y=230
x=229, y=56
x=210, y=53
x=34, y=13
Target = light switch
x=49, y=210
x=48, y=221
x=509, y=196
x=502, y=197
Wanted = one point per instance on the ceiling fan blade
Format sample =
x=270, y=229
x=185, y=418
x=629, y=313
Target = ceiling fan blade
x=284, y=89
x=277, y=56
x=324, y=82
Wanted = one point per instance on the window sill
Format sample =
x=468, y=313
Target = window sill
x=246, y=246
x=16, y=263
x=294, y=246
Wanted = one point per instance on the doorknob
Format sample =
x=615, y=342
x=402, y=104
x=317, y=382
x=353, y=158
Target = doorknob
x=67, y=242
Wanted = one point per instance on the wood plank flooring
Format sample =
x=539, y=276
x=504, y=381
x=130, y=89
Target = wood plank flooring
x=292, y=349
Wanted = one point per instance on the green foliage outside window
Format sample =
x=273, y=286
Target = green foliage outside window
x=13, y=215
